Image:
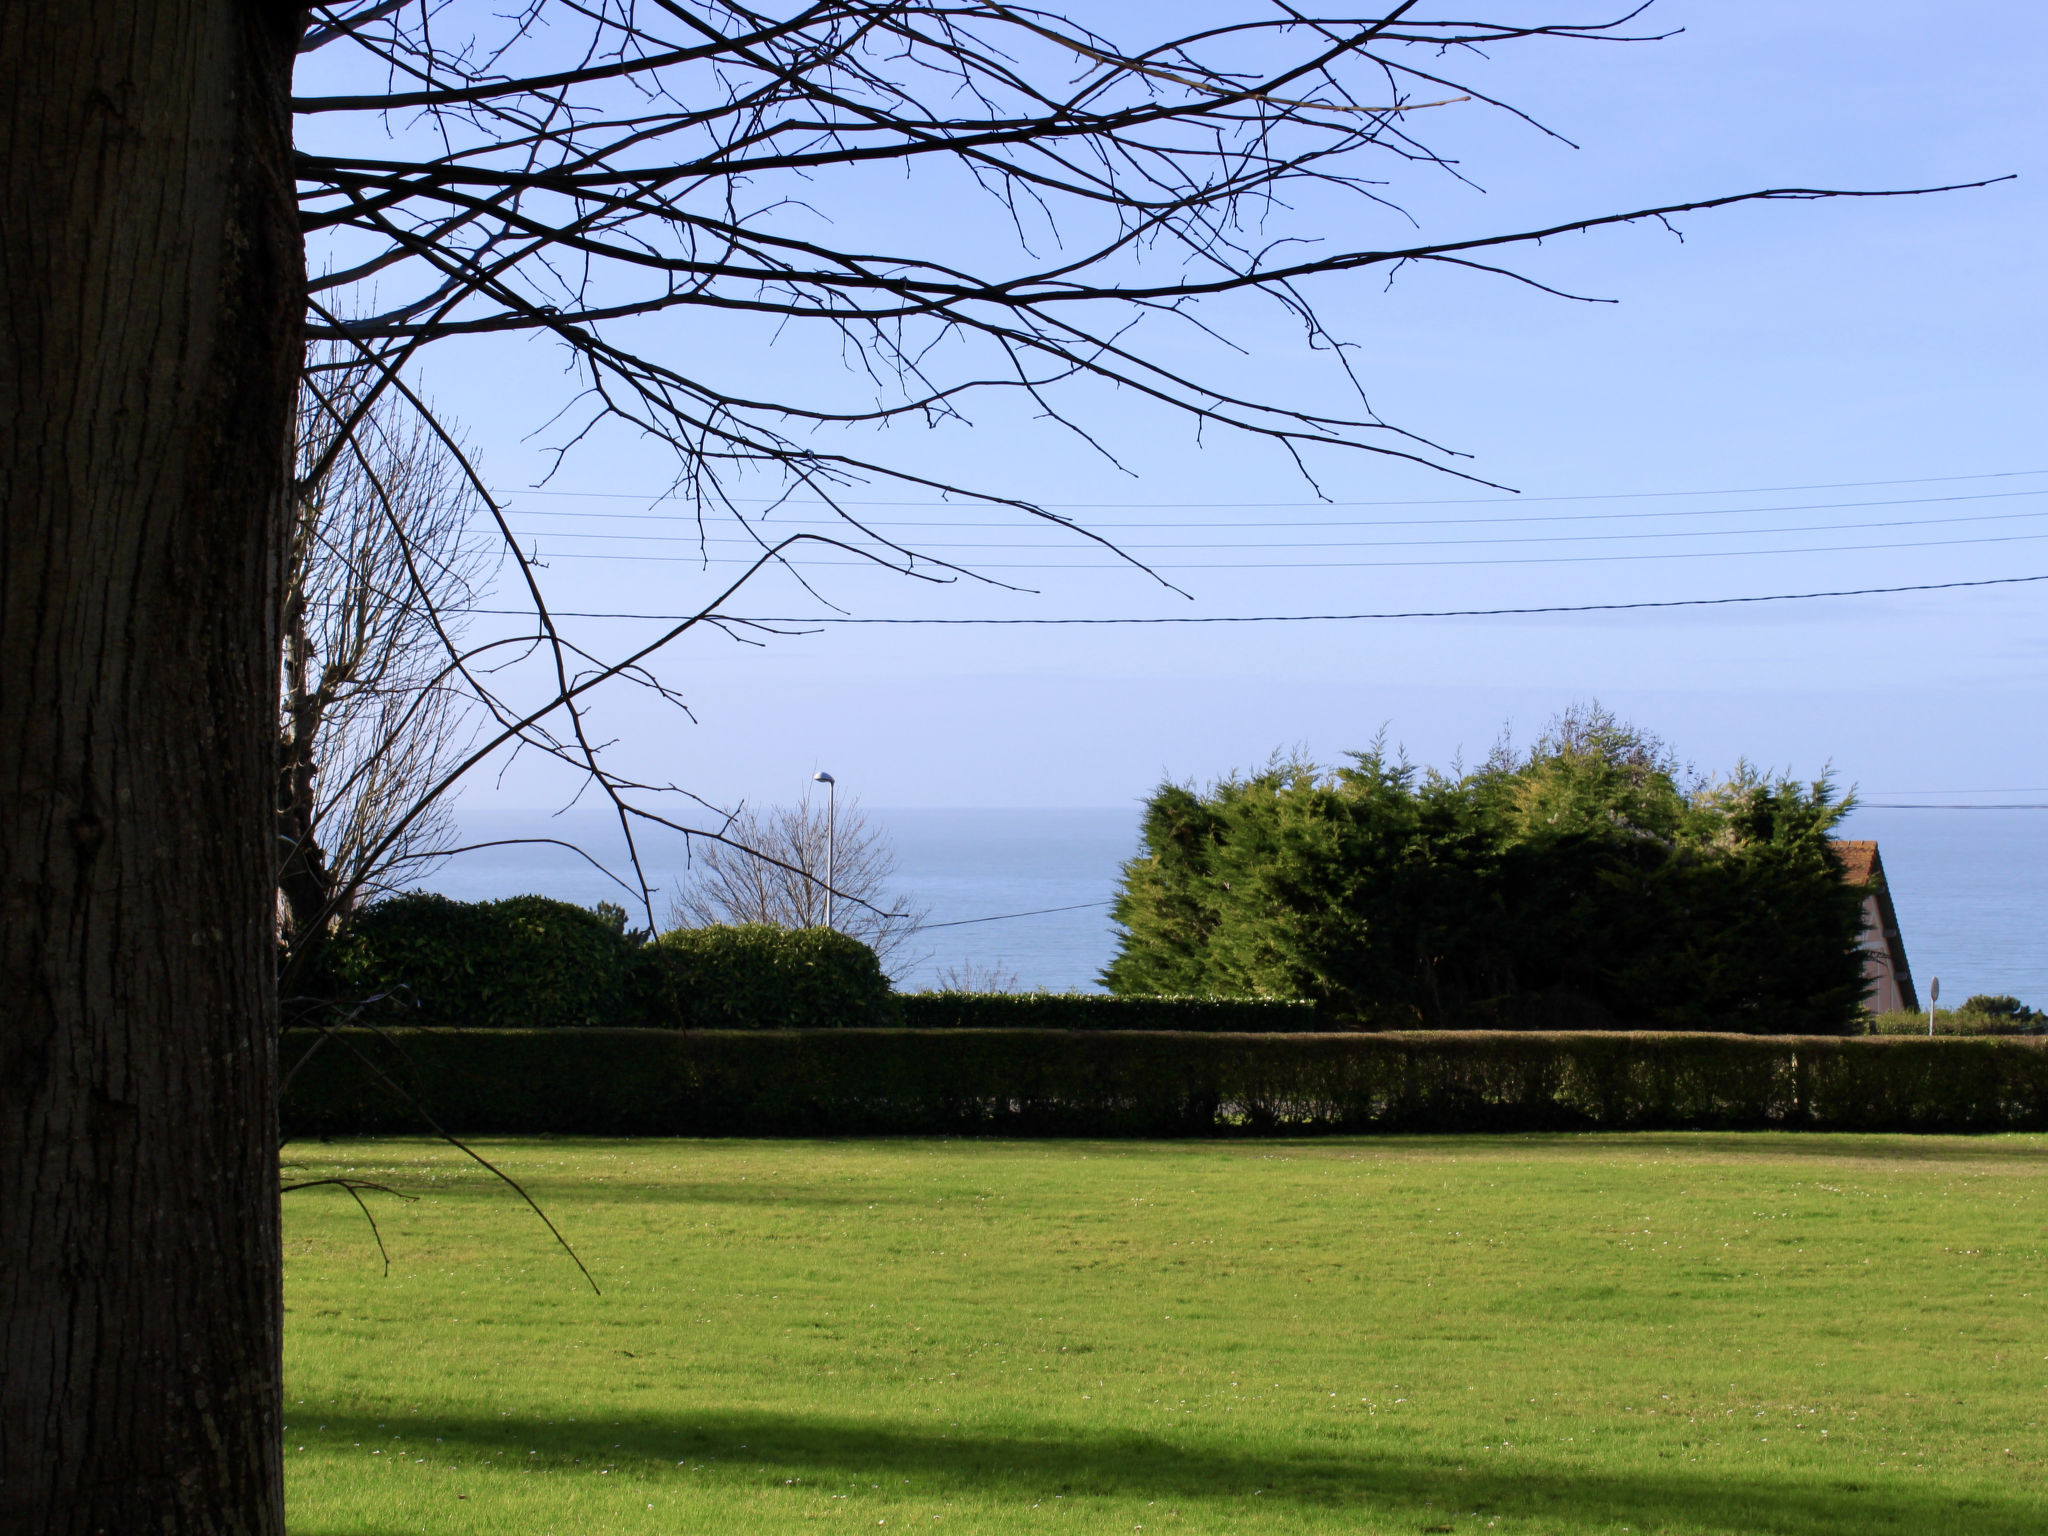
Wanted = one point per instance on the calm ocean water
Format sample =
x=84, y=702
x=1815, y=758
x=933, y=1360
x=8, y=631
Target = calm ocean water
x=962, y=866
x=1971, y=887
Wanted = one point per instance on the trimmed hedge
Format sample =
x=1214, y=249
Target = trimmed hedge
x=1098, y=1010
x=626, y=1082
x=756, y=976
x=530, y=962
x=524, y=962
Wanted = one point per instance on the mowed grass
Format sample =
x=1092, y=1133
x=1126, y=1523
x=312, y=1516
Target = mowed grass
x=1659, y=1333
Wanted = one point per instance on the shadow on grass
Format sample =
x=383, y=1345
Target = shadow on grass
x=762, y=1448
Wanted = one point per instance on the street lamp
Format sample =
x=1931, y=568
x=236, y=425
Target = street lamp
x=831, y=833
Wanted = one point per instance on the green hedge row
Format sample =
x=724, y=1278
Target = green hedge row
x=754, y=976
x=524, y=962
x=529, y=962
x=627, y=1082
x=1098, y=1010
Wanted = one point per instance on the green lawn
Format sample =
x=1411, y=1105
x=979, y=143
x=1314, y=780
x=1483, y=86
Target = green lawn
x=1676, y=1333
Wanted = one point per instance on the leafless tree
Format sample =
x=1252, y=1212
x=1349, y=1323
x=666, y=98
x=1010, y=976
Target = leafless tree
x=566, y=169
x=384, y=561
x=570, y=170
x=774, y=869
x=976, y=976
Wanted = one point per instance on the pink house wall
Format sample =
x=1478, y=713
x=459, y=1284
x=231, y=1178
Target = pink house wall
x=1885, y=994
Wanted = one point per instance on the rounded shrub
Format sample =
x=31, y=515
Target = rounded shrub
x=526, y=962
x=2002, y=1009
x=758, y=976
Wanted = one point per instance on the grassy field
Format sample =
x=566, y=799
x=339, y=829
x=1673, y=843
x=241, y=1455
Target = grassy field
x=1651, y=1333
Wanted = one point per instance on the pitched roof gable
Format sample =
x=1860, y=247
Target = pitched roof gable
x=1859, y=860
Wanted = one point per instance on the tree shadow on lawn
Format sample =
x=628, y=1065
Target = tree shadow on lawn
x=760, y=1448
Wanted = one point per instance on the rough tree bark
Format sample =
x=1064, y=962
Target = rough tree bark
x=151, y=280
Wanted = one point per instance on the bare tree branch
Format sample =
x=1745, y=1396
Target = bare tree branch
x=570, y=168
x=369, y=715
x=773, y=870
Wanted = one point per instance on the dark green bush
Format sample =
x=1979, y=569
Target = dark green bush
x=2005, y=1007
x=1579, y=887
x=1099, y=1010
x=756, y=976
x=646, y=1082
x=524, y=962
x=1973, y=1018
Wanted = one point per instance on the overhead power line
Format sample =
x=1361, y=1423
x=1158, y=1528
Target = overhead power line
x=755, y=543
x=1311, y=618
x=965, y=562
x=2024, y=789
x=1004, y=917
x=1442, y=501
x=1023, y=521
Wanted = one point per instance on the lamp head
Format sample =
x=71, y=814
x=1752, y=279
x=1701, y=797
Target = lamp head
x=822, y=777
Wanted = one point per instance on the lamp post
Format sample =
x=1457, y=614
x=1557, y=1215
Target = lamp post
x=831, y=833
x=1933, y=997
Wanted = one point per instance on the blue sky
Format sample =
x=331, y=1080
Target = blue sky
x=1849, y=394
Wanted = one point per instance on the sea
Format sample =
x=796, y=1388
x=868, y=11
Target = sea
x=1020, y=898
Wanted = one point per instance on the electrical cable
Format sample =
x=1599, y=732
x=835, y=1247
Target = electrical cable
x=1445, y=501
x=2024, y=789
x=1022, y=520
x=1302, y=618
x=957, y=550
x=1004, y=917
x=882, y=561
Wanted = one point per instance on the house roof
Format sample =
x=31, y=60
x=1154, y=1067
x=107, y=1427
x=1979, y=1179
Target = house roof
x=1859, y=860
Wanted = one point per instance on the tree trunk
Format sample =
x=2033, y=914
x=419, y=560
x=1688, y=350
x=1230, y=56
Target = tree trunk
x=151, y=278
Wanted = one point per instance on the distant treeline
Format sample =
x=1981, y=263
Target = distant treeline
x=1578, y=885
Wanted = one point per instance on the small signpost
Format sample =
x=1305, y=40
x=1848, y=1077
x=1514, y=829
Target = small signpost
x=1933, y=997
